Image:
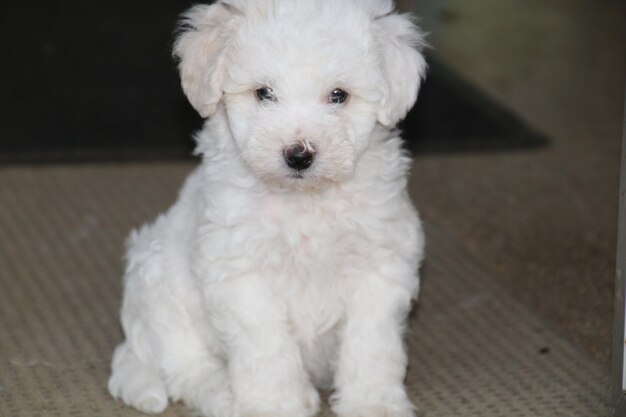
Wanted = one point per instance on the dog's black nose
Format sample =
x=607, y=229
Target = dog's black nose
x=299, y=156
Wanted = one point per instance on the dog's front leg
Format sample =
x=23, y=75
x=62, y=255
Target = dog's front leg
x=369, y=381
x=265, y=365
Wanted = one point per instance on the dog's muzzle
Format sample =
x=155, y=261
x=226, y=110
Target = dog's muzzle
x=299, y=156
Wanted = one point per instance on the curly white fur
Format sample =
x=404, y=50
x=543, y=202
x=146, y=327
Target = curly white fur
x=262, y=283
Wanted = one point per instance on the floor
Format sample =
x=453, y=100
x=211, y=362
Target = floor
x=544, y=220
x=474, y=351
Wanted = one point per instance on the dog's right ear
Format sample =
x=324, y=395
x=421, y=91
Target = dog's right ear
x=199, y=48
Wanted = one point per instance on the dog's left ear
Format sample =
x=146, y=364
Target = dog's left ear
x=203, y=34
x=403, y=66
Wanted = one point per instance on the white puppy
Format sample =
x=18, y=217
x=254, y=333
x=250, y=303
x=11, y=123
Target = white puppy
x=289, y=261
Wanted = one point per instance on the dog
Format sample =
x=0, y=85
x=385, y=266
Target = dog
x=290, y=260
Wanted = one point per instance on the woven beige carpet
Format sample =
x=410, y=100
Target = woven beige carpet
x=474, y=351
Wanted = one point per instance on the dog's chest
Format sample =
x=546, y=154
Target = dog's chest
x=308, y=252
x=282, y=236
x=309, y=238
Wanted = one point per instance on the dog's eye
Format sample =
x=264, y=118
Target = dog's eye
x=337, y=96
x=265, y=94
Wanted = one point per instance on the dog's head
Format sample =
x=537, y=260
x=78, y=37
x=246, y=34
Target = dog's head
x=302, y=82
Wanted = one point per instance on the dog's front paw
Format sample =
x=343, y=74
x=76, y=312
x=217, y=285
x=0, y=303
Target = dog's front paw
x=288, y=403
x=151, y=403
x=373, y=403
x=378, y=410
